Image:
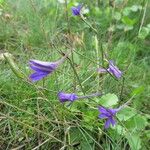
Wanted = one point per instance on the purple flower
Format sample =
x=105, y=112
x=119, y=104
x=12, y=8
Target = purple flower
x=114, y=70
x=76, y=11
x=109, y=115
x=42, y=68
x=64, y=97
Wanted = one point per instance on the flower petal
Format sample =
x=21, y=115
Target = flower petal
x=114, y=69
x=107, y=123
x=37, y=76
x=102, y=70
x=102, y=116
x=76, y=10
x=41, y=69
x=113, y=111
x=63, y=97
x=103, y=110
x=43, y=64
x=113, y=121
x=79, y=7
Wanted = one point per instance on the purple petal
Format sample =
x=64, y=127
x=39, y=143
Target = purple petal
x=79, y=7
x=114, y=69
x=76, y=10
x=108, y=112
x=37, y=76
x=113, y=111
x=44, y=64
x=111, y=62
x=101, y=70
x=63, y=97
x=103, y=110
x=112, y=120
x=41, y=69
x=102, y=116
x=107, y=123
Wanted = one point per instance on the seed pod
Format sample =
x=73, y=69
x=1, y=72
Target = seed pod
x=13, y=66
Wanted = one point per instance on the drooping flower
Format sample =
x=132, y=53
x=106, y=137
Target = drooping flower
x=76, y=11
x=42, y=68
x=109, y=115
x=64, y=97
x=114, y=70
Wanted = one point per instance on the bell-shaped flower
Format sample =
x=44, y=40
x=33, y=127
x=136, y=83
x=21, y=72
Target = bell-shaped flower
x=42, y=69
x=109, y=115
x=112, y=69
x=76, y=11
x=64, y=97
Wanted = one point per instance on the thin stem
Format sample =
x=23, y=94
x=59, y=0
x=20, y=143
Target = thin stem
x=76, y=74
x=63, y=58
x=122, y=88
x=102, y=55
x=67, y=18
x=142, y=21
x=126, y=103
x=82, y=17
x=89, y=96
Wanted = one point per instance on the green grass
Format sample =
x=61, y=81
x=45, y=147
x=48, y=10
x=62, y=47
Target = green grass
x=31, y=117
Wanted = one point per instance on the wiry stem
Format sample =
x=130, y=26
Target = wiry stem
x=82, y=17
x=67, y=18
x=122, y=88
x=89, y=96
x=76, y=74
x=63, y=58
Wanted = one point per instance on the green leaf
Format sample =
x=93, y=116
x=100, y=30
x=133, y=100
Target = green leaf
x=136, y=123
x=117, y=15
x=148, y=26
x=90, y=119
x=77, y=106
x=137, y=91
x=117, y=131
x=127, y=28
x=135, y=8
x=1, y=1
x=126, y=20
x=144, y=33
x=1, y=12
x=126, y=11
x=79, y=137
x=134, y=141
x=126, y=113
x=148, y=134
x=108, y=100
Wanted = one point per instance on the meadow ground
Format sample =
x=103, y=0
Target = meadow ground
x=31, y=116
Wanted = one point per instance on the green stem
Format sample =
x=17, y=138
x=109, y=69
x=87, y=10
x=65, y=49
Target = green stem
x=82, y=17
x=76, y=74
x=67, y=18
x=122, y=88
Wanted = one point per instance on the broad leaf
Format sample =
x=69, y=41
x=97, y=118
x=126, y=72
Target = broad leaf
x=126, y=113
x=108, y=100
x=134, y=141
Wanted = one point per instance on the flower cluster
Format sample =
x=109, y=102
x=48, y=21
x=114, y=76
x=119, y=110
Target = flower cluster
x=42, y=69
